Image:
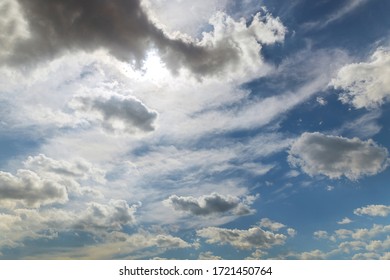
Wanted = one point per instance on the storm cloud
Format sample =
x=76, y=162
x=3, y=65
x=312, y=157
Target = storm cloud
x=53, y=27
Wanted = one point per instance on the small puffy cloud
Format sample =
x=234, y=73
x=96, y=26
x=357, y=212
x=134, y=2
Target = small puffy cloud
x=29, y=189
x=345, y=221
x=343, y=233
x=312, y=255
x=365, y=84
x=335, y=156
x=169, y=242
x=116, y=112
x=210, y=204
x=291, y=232
x=292, y=174
x=111, y=216
x=321, y=234
x=321, y=101
x=208, y=256
x=373, y=210
x=271, y=225
x=252, y=238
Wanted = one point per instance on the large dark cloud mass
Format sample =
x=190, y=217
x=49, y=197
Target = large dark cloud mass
x=52, y=27
x=120, y=26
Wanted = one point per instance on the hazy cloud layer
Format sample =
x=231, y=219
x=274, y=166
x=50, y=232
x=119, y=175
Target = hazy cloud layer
x=365, y=84
x=373, y=210
x=335, y=156
x=116, y=113
x=209, y=204
x=125, y=29
x=79, y=169
x=29, y=189
x=252, y=238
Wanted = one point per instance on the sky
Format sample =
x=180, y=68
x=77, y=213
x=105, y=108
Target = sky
x=218, y=129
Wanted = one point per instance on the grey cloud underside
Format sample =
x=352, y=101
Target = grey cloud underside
x=29, y=189
x=208, y=205
x=111, y=216
x=131, y=113
x=120, y=26
x=254, y=237
x=335, y=156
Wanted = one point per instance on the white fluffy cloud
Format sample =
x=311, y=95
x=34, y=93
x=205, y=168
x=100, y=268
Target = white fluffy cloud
x=252, y=238
x=116, y=113
x=272, y=225
x=335, y=156
x=29, y=189
x=210, y=204
x=345, y=221
x=365, y=84
x=373, y=210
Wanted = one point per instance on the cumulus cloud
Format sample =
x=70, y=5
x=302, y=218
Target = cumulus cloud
x=125, y=29
x=365, y=84
x=111, y=216
x=210, y=204
x=373, y=210
x=208, y=256
x=334, y=156
x=312, y=255
x=252, y=238
x=271, y=225
x=345, y=221
x=321, y=234
x=29, y=189
x=116, y=112
x=291, y=232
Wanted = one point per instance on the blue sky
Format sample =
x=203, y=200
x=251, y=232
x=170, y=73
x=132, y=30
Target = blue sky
x=217, y=129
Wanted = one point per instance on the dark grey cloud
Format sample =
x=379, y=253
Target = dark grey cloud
x=117, y=112
x=124, y=28
x=335, y=156
x=28, y=189
x=209, y=204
